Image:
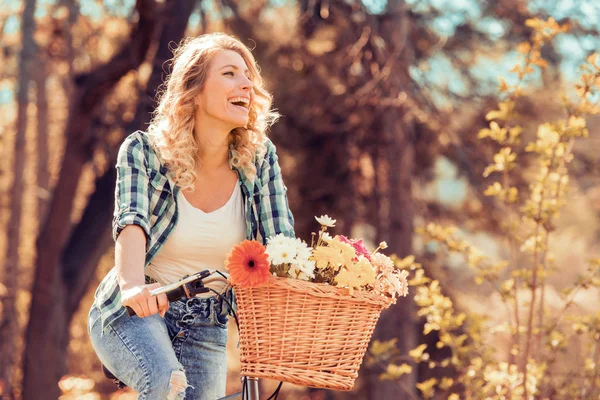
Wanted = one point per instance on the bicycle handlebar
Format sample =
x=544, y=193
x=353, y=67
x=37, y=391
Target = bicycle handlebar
x=188, y=286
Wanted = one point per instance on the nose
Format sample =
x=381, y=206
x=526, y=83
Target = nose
x=247, y=83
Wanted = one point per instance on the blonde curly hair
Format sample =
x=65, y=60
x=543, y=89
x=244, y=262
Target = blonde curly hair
x=171, y=131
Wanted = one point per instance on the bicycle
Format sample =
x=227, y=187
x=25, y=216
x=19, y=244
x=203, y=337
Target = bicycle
x=190, y=286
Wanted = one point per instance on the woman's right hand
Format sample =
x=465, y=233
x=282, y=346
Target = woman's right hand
x=139, y=299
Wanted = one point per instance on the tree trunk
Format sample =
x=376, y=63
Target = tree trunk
x=92, y=236
x=47, y=331
x=396, y=227
x=43, y=174
x=397, y=158
x=8, y=322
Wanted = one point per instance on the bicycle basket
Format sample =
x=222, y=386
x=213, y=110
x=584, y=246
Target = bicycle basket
x=305, y=333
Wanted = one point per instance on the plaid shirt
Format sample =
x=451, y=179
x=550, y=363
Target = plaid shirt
x=145, y=196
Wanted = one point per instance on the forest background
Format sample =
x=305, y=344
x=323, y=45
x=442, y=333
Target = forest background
x=382, y=103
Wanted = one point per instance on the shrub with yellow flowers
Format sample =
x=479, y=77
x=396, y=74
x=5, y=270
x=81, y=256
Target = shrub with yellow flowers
x=530, y=367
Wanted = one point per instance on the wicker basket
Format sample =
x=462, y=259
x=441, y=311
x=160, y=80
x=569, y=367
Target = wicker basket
x=305, y=333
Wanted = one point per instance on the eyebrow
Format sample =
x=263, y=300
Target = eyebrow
x=234, y=67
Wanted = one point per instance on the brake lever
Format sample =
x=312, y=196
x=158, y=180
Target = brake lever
x=188, y=286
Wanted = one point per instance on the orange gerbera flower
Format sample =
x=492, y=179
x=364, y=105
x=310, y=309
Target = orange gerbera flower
x=248, y=264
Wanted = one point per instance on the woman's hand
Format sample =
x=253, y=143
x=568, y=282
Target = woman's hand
x=139, y=299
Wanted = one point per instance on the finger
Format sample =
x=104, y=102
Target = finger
x=140, y=310
x=142, y=300
x=152, y=301
x=136, y=309
x=163, y=304
x=130, y=305
x=145, y=311
x=152, y=305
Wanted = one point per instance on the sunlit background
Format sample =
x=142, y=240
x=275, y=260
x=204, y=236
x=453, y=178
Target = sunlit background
x=381, y=105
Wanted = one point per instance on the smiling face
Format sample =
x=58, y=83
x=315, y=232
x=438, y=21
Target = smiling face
x=227, y=93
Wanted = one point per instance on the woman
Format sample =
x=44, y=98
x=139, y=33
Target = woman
x=203, y=178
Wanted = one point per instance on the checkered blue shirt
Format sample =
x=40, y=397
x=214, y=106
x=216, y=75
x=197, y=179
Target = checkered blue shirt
x=146, y=196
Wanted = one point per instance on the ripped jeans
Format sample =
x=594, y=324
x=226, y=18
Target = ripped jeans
x=165, y=358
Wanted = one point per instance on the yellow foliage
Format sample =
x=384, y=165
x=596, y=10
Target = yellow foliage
x=405, y=263
x=504, y=112
x=524, y=47
x=536, y=335
x=427, y=387
x=417, y=353
x=446, y=383
x=381, y=348
x=396, y=371
x=503, y=160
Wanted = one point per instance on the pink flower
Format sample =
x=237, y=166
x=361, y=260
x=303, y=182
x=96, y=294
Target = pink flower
x=358, y=245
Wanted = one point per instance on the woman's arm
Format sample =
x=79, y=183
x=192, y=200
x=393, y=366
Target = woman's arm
x=275, y=214
x=131, y=230
x=132, y=199
x=130, y=255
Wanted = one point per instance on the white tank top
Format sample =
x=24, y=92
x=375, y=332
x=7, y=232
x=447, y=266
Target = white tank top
x=200, y=240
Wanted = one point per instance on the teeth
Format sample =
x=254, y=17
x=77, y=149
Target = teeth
x=243, y=100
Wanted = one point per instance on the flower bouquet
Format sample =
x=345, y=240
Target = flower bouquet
x=306, y=313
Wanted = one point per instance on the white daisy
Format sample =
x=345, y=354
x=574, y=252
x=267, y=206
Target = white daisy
x=303, y=271
x=280, y=253
x=326, y=220
x=326, y=237
x=303, y=252
x=280, y=238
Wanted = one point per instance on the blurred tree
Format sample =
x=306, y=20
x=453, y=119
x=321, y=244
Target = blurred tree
x=92, y=237
x=40, y=77
x=372, y=94
x=46, y=343
x=364, y=117
x=337, y=74
x=8, y=317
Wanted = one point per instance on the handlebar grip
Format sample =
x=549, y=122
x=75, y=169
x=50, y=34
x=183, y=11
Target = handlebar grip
x=172, y=295
x=175, y=294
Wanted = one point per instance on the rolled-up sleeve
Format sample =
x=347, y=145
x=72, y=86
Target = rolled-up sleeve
x=132, y=203
x=275, y=214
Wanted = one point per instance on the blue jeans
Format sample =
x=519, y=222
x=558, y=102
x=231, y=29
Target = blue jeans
x=180, y=356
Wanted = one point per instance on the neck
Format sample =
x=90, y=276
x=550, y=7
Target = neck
x=213, y=146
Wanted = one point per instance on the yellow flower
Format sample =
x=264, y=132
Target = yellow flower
x=324, y=256
x=346, y=279
x=357, y=274
x=346, y=250
x=365, y=270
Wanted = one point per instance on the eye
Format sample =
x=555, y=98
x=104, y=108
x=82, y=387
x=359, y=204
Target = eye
x=228, y=73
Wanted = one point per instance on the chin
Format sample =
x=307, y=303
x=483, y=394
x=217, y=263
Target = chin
x=241, y=123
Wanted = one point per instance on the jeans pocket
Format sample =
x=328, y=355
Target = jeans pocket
x=220, y=309
x=220, y=316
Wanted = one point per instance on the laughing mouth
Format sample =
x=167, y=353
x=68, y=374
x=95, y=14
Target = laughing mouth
x=240, y=102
